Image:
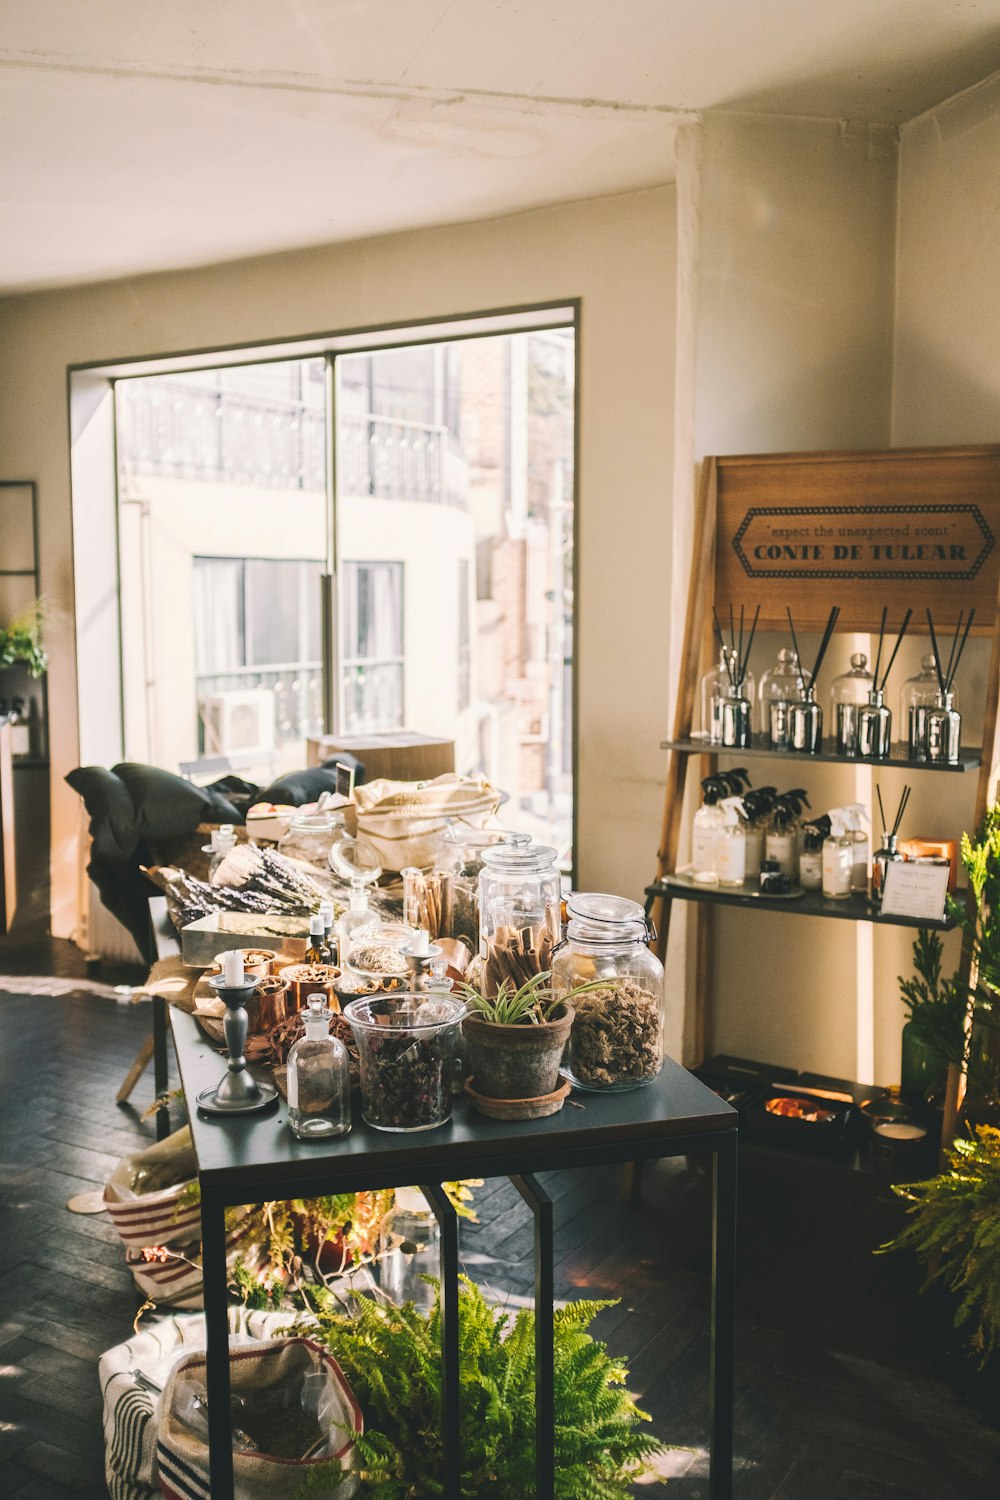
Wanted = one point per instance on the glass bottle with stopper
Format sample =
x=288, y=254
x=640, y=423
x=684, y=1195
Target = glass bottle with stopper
x=805, y=718
x=780, y=687
x=944, y=722
x=355, y=861
x=848, y=694
x=875, y=716
x=410, y=1249
x=318, y=1078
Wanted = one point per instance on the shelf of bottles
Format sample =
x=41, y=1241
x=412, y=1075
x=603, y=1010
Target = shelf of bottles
x=799, y=903
x=899, y=758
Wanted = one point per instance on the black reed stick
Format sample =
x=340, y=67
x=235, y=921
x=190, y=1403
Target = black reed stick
x=746, y=655
x=795, y=645
x=954, y=643
x=949, y=680
x=726, y=659
x=892, y=658
x=937, y=654
x=881, y=638
x=904, y=799
x=881, y=809
x=739, y=654
x=830, y=625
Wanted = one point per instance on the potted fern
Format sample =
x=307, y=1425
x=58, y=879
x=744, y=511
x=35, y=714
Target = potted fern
x=392, y=1359
x=514, y=1042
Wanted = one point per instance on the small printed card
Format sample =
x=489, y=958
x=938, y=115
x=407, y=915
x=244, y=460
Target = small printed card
x=915, y=890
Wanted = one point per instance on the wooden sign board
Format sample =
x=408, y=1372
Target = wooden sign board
x=906, y=528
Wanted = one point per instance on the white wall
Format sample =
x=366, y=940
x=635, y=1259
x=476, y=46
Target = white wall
x=790, y=255
x=616, y=254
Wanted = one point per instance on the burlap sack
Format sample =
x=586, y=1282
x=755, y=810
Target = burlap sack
x=182, y=1446
x=404, y=821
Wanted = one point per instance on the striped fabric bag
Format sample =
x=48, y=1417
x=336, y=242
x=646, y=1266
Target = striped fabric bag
x=158, y=1218
x=300, y=1368
x=131, y=1407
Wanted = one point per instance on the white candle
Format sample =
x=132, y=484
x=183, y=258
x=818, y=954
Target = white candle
x=900, y=1131
x=420, y=946
x=232, y=968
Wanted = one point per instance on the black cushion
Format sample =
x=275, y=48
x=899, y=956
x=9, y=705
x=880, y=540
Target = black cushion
x=232, y=793
x=300, y=786
x=165, y=805
x=125, y=892
x=114, y=826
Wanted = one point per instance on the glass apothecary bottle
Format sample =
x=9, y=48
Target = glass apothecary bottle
x=780, y=687
x=519, y=911
x=616, y=1042
x=409, y=1250
x=715, y=686
x=355, y=861
x=311, y=835
x=318, y=1078
x=223, y=839
x=849, y=693
x=917, y=695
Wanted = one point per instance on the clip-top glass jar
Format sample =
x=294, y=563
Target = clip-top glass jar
x=519, y=911
x=617, y=1036
x=311, y=835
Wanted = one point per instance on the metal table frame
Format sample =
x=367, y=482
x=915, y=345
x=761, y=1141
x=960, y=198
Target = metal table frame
x=253, y=1158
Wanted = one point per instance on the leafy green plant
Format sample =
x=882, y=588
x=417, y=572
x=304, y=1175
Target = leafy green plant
x=936, y=1007
x=391, y=1357
x=530, y=1004
x=955, y=1228
x=22, y=641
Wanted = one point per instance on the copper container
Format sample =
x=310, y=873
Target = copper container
x=310, y=979
x=933, y=849
x=256, y=962
x=274, y=1001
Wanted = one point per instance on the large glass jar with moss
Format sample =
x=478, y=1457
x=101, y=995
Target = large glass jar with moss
x=617, y=1037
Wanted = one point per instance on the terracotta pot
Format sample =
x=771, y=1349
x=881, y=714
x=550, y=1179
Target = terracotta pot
x=516, y=1062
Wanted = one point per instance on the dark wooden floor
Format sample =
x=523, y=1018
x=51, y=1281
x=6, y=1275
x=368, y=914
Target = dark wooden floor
x=849, y=1385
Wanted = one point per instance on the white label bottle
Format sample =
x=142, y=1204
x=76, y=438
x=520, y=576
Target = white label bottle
x=838, y=860
x=731, y=844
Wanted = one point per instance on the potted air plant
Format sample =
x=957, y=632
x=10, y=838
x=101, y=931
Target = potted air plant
x=514, y=1042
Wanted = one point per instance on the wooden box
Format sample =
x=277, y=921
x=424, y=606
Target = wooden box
x=399, y=754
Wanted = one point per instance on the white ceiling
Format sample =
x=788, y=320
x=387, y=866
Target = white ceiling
x=139, y=135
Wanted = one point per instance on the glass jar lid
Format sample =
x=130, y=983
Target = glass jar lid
x=517, y=855
x=598, y=918
x=309, y=821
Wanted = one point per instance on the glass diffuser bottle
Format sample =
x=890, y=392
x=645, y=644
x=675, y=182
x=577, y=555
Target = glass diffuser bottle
x=780, y=687
x=917, y=695
x=848, y=694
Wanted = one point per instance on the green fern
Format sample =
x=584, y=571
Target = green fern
x=936, y=1007
x=955, y=1228
x=391, y=1356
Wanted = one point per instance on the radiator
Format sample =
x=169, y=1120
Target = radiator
x=106, y=937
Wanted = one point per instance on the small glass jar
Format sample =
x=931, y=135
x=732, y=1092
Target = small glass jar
x=780, y=687
x=849, y=693
x=409, y=1250
x=311, y=836
x=916, y=696
x=427, y=900
x=318, y=1079
x=461, y=852
x=616, y=1041
x=405, y=1058
x=519, y=911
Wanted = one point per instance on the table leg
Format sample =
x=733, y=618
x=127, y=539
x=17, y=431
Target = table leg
x=160, y=1070
x=213, y=1254
x=540, y=1204
x=450, y=1387
x=723, y=1318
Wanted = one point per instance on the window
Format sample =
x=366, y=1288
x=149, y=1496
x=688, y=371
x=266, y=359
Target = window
x=257, y=631
x=464, y=638
x=372, y=633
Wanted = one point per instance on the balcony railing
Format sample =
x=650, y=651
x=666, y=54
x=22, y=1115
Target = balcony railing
x=187, y=432
x=391, y=459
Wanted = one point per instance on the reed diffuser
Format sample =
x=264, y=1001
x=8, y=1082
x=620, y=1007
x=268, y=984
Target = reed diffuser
x=806, y=718
x=737, y=703
x=943, y=722
x=875, y=718
x=889, y=853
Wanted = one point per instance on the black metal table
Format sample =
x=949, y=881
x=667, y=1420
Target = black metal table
x=252, y=1158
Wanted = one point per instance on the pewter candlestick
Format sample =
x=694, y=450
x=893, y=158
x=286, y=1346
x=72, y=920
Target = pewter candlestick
x=237, y=1092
